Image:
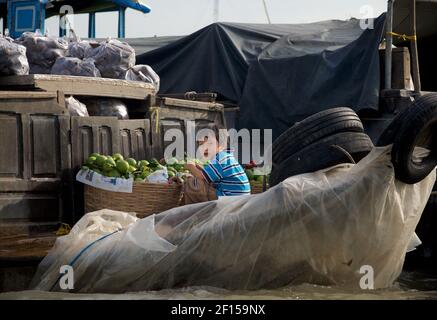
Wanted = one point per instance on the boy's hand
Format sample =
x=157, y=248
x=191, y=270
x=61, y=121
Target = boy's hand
x=175, y=180
x=195, y=171
x=190, y=167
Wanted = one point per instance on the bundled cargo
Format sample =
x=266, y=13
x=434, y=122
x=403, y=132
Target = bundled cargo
x=13, y=60
x=42, y=51
x=75, y=67
x=113, y=58
x=143, y=73
x=75, y=107
x=107, y=107
x=35, y=53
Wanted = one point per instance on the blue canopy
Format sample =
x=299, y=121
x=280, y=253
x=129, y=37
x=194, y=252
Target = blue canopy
x=87, y=6
x=133, y=4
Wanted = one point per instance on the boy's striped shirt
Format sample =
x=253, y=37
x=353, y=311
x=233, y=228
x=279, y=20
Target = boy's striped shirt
x=227, y=175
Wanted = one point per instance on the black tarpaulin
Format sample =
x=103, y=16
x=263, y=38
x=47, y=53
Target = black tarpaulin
x=278, y=74
x=215, y=58
x=326, y=65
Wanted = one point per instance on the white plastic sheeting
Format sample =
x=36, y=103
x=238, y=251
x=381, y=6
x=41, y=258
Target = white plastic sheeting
x=143, y=73
x=75, y=107
x=320, y=227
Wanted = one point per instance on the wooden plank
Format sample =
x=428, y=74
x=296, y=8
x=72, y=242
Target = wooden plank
x=25, y=185
x=84, y=86
x=45, y=153
x=10, y=145
x=29, y=206
x=25, y=80
x=31, y=105
x=93, y=134
x=24, y=245
x=135, y=139
x=27, y=146
x=401, y=72
x=192, y=104
x=27, y=94
x=193, y=109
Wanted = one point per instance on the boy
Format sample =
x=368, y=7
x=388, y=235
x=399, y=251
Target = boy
x=223, y=176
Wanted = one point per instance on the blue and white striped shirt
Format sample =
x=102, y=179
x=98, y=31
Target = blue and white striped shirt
x=227, y=175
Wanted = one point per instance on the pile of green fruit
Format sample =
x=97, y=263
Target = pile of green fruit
x=251, y=173
x=118, y=167
x=253, y=177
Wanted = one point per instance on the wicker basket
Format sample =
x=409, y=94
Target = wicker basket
x=256, y=187
x=145, y=199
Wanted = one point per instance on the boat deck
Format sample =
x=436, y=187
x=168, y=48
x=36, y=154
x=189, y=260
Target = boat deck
x=20, y=255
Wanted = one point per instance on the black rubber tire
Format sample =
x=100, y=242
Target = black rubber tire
x=322, y=154
x=388, y=135
x=418, y=128
x=314, y=128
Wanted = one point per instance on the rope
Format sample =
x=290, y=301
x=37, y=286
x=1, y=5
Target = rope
x=266, y=11
x=403, y=36
x=344, y=151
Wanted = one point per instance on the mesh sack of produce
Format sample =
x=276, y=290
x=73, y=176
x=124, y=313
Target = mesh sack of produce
x=113, y=58
x=13, y=60
x=75, y=67
x=75, y=107
x=42, y=51
x=78, y=49
x=319, y=228
x=143, y=73
x=106, y=107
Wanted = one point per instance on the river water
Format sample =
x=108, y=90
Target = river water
x=410, y=285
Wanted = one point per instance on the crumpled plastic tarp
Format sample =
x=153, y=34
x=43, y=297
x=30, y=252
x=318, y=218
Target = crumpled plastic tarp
x=113, y=58
x=42, y=51
x=75, y=67
x=319, y=227
x=13, y=60
x=144, y=73
x=75, y=107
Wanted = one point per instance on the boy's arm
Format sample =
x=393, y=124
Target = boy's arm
x=195, y=171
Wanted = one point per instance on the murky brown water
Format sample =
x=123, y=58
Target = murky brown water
x=409, y=286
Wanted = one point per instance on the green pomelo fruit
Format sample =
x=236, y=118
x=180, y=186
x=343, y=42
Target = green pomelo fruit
x=122, y=166
x=132, y=162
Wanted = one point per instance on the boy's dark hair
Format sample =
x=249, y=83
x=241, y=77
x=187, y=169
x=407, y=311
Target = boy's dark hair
x=220, y=132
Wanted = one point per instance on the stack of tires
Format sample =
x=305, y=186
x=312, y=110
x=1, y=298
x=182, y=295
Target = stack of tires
x=337, y=136
x=327, y=138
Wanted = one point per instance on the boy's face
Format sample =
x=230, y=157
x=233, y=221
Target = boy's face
x=208, y=147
